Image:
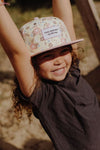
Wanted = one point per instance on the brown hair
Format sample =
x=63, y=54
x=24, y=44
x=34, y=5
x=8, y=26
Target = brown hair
x=21, y=103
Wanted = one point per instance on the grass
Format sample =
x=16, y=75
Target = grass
x=20, y=17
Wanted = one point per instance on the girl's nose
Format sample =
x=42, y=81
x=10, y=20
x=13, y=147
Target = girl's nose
x=58, y=61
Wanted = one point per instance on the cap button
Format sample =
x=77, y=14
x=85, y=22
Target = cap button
x=36, y=18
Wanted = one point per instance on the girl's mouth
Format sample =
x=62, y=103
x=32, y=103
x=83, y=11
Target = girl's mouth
x=59, y=71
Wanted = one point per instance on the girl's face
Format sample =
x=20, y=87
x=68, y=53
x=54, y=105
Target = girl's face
x=55, y=64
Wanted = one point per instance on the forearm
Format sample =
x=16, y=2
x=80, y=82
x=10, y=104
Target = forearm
x=63, y=10
x=10, y=37
x=18, y=53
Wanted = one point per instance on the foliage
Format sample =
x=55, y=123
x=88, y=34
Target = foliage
x=31, y=4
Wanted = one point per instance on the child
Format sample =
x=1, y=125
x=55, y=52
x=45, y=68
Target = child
x=63, y=102
x=60, y=98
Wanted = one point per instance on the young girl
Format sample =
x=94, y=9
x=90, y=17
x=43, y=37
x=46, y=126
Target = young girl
x=49, y=79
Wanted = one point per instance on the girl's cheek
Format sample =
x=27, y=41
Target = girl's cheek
x=45, y=66
x=69, y=58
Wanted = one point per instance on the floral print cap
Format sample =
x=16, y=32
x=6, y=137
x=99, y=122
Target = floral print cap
x=44, y=34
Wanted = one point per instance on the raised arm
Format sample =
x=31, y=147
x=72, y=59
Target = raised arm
x=63, y=10
x=17, y=52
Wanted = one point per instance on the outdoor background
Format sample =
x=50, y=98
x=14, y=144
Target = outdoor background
x=31, y=136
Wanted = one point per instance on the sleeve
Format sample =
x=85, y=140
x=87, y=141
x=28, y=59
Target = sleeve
x=42, y=97
x=38, y=98
x=37, y=95
x=22, y=97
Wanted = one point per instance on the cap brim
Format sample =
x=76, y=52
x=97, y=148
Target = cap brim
x=70, y=43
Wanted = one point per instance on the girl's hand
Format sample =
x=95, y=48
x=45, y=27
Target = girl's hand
x=3, y=3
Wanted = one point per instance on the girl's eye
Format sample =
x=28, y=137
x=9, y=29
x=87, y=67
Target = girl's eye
x=48, y=56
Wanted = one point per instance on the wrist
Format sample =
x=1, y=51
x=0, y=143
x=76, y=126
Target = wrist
x=3, y=3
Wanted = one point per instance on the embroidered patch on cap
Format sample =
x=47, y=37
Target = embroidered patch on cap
x=51, y=32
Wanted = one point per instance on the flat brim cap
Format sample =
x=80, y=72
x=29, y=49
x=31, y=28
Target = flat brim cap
x=45, y=34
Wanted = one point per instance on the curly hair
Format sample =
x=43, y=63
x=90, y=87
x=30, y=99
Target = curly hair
x=20, y=106
x=24, y=106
